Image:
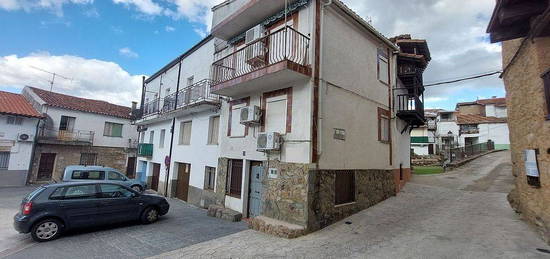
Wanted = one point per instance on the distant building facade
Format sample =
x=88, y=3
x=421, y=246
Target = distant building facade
x=423, y=138
x=19, y=123
x=523, y=27
x=79, y=131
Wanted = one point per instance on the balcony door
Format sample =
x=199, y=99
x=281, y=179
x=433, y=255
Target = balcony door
x=67, y=123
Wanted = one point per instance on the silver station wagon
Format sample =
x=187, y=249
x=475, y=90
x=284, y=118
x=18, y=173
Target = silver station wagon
x=75, y=173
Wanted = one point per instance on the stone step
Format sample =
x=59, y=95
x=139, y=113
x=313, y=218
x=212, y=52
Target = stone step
x=218, y=211
x=276, y=227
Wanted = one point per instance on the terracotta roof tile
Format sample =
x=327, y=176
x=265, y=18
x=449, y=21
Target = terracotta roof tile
x=82, y=104
x=16, y=104
x=478, y=119
x=495, y=101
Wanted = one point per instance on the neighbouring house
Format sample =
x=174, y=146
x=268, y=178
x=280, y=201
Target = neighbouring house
x=423, y=138
x=523, y=27
x=179, y=128
x=79, y=131
x=19, y=123
x=447, y=132
x=313, y=128
x=483, y=120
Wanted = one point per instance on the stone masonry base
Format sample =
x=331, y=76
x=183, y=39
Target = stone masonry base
x=276, y=227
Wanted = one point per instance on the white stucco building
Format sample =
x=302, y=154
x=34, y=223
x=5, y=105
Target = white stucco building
x=80, y=131
x=18, y=128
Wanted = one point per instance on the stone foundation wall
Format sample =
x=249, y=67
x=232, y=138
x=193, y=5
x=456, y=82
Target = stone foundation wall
x=529, y=128
x=285, y=198
x=70, y=155
x=201, y=198
x=221, y=180
x=400, y=183
x=371, y=187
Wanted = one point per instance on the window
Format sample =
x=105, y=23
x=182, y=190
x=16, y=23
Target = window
x=114, y=191
x=4, y=160
x=209, y=178
x=383, y=67
x=234, y=178
x=142, y=137
x=446, y=116
x=276, y=114
x=14, y=120
x=67, y=123
x=151, y=137
x=185, y=133
x=344, y=187
x=237, y=129
x=114, y=176
x=546, y=80
x=88, y=175
x=81, y=192
x=190, y=80
x=161, y=140
x=384, y=125
x=214, y=130
x=57, y=194
x=88, y=158
x=112, y=129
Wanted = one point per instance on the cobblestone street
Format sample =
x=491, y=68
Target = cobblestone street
x=424, y=221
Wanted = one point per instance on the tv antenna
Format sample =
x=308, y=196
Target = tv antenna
x=54, y=75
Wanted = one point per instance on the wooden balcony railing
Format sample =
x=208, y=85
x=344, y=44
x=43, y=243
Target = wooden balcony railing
x=285, y=44
x=194, y=94
x=410, y=103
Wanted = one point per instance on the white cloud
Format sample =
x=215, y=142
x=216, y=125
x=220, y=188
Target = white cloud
x=55, y=6
x=127, y=52
x=92, y=78
x=169, y=28
x=147, y=7
x=435, y=99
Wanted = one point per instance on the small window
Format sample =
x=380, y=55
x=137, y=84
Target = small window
x=276, y=114
x=446, y=116
x=344, y=187
x=384, y=126
x=213, y=130
x=151, y=137
x=142, y=137
x=185, y=133
x=209, y=178
x=383, y=67
x=81, y=192
x=234, y=178
x=114, y=191
x=162, y=137
x=112, y=129
x=12, y=120
x=67, y=123
x=88, y=175
x=88, y=158
x=114, y=176
x=4, y=160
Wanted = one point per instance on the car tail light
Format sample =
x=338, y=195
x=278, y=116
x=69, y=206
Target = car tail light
x=27, y=208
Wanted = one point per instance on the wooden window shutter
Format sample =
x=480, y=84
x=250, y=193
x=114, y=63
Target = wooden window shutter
x=344, y=187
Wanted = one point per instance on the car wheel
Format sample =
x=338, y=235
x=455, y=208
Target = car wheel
x=149, y=215
x=46, y=230
x=137, y=188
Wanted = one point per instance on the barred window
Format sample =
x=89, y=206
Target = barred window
x=209, y=178
x=88, y=159
x=4, y=160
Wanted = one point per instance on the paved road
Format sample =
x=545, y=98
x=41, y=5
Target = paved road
x=184, y=225
x=437, y=219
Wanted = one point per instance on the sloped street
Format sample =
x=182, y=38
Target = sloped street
x=460, y=214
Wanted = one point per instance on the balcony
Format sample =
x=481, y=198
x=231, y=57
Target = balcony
x=231, y=17
x=66, y=137
x=145, y=150
x=276, y=59
x=464, y=131
x=410, y=108
x=194, y=98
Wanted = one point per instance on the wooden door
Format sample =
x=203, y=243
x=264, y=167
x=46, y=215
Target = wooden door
x=131, y=167
x=155, y=178
x=45, y=167
x=430, y=149
x=182, y=189
x=255, y=189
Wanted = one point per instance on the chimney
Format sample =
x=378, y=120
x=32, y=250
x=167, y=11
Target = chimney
x=494, y=97
x=134, y=106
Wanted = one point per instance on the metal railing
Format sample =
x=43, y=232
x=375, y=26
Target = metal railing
x=285, y=44
x=144, y=149
x=193, y=94
x=66, y=135
x=461, y=153
x=469, y=131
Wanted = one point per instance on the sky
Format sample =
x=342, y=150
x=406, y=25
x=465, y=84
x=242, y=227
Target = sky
x=100, y=49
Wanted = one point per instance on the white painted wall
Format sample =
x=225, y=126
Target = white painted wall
x=420, y=149
x=497, y=132
x=96, y=123
x=20, y=152
x=493, y=111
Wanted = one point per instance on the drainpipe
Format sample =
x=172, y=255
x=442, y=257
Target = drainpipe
x=172, y=129
x=32, y=151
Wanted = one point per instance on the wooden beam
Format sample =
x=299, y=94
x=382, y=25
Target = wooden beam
x=523, y=11
x=510, y=32
x=541, y=25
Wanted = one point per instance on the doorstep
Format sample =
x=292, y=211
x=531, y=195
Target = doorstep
x=276, y=227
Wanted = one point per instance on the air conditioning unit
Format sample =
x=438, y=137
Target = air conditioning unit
x=251, y=115
x=255, y=52
x=23, y=137
x=269, y=141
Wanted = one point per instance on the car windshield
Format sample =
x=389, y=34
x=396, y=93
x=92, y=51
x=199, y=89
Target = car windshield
x=34, y=193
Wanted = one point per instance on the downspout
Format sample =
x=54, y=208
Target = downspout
x=172, y=129
x=316, y=80
x=29, y=173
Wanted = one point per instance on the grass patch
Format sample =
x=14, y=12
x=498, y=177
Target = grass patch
x=428, y=170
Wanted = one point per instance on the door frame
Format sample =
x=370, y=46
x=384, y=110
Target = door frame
x=52, y=170
x=250, y=165
x=155, y=183
x=187, y=170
